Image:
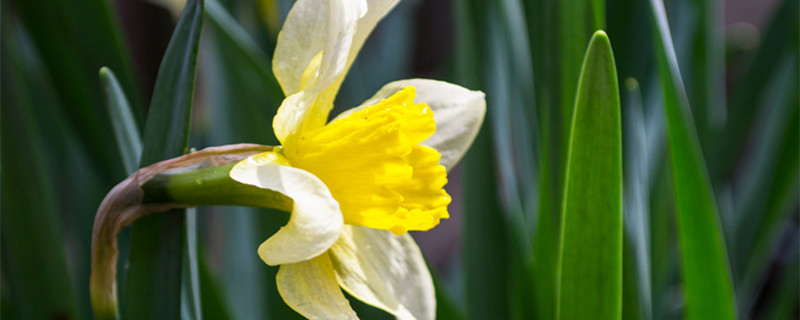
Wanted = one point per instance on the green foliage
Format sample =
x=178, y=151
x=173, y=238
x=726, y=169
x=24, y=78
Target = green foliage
x=590, y=275
x=153, y=289
x=676, y=197
x=706, y=271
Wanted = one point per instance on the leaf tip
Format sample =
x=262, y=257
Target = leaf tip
x=600, y=38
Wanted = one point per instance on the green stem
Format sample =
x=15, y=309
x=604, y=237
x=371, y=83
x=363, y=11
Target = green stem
x=210, y=186
x=195, y=179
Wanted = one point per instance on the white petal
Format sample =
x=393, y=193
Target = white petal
x=311, y=27
x=458, y=112
x=385, y=271
x=310, y=288
x=335, y=28
x=316, y=219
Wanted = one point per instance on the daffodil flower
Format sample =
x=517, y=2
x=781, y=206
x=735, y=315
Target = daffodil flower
x=354, y=185
x=361, y=181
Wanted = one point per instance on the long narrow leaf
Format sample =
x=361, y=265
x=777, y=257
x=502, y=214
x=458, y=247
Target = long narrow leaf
x=637, y=192
x=126, y=131
x=706, y=273
x=154, y=277
x=190, y=290
x=591, y=249
x=34, y=268
x=485, y=261
x=76, y=39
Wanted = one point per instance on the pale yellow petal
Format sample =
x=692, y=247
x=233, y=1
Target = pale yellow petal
x=316, y=219
x=313, y=27
x=310, y=55
x=385, y=271
x=310, y=288
x=331, y=31
x=458, y=113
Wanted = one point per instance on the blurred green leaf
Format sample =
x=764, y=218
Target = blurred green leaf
x=211, y=296
x=446, y=308
x=486, y=240
x=237, y=43
x=590, y=284
x=190, y=286
x=631, y=299
x=75, y=40
x=34, y=269
x=766, y=191
x=636, y=198
x=778, y=40
x=706, y=69
x=784, y=303
x=706, y=273
x=124, y=124
x=154, y=278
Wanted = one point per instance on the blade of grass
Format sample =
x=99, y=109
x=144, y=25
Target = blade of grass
x=706, y=273
x=590, y=279
x=154, y=277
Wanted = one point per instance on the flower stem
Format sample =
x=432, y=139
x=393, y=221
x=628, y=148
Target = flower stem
x=210, y=186
x=195, y=179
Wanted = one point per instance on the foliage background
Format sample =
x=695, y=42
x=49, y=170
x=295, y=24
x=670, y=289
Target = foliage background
x=497, y=256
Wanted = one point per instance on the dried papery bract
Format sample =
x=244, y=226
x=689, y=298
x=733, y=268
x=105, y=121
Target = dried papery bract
x=125, y=204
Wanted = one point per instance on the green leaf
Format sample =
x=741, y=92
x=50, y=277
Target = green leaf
x=777, y=41
x=543, y=30
x=34, y=262
x=515, y=130
x=129, y=143
x=578, y=19
x=190, y=289
x=154, y=277
x=706, y=68
x=766, y=193
x=124, y=124
x=486, y=264
x=211, y=297
x=591, y=235
x=76, y=39
x=637, y=194
x=706, y=273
